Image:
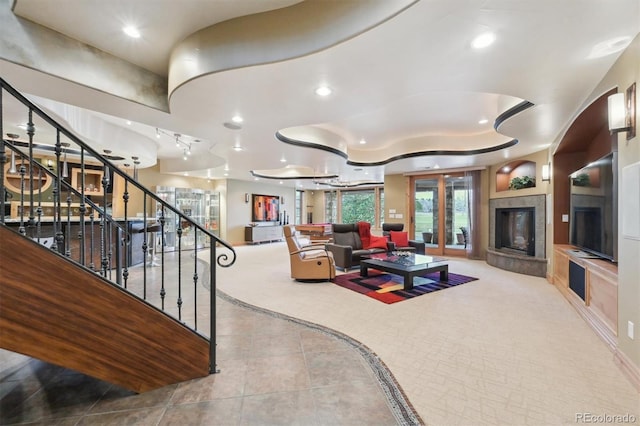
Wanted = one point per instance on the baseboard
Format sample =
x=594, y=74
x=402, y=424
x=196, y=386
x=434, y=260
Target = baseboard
x=631, y=370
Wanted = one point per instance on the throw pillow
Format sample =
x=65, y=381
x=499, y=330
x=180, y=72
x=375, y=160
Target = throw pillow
x=401, y=238
x=377, y=242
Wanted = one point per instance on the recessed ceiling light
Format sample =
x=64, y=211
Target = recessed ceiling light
x=131, y=31
x=186, y=174
x=255, y=178
x=436, y=166
x=237, y=119
x=483, y=121
x=506, y=169
x=129, y=122
x=362, y=142
x=237, y=148
x=483, y=40
x=323, y=91
x=283, y=160
x=226, y=174
x=280, y=182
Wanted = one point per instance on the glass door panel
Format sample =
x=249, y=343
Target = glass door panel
x=456, y=211
x=426, y=217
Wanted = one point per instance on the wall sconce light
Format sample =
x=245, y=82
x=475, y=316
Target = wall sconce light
x=622, y=112
x=546, y=173
x=246, y=197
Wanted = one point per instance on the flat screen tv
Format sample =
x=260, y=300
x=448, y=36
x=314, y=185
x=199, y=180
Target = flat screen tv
x=594, y=208
x=266, y=208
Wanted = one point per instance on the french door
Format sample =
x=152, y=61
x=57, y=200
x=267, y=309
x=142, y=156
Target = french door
x=440, y=212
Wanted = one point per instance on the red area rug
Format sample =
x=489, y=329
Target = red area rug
x=388, y=288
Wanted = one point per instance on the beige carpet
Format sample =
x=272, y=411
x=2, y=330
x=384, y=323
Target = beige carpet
x=507, y=349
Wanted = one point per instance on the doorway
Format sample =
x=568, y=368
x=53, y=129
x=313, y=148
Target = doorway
x=440, y=212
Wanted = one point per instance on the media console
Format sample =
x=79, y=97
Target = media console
x=262, y=234
x=590, y=284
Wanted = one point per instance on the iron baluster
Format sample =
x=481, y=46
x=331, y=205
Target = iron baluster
x=162, y=222
x=68, y=239
x=179, y=233
x=57, y=187
x=213, y=368
x=92, y=265
x=103, y=254
x=195, y=279
x=39, y=209
x=109, y=246
x=81, y=228
x=144, y=246
x=23, y=171
x=30, y=132
x=125, y=199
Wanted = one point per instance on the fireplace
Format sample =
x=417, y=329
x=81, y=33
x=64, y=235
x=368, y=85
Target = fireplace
x=517, y=234
x=515, y=230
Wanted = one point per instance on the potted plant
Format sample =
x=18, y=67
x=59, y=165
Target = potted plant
x=522, y=182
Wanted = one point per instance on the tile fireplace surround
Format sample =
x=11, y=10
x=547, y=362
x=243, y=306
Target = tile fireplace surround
x=530, y=265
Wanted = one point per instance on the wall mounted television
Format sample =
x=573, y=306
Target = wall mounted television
x=594, y=208
x=266, y=208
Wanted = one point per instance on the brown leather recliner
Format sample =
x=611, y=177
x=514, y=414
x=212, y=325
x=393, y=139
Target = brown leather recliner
x=308, y=262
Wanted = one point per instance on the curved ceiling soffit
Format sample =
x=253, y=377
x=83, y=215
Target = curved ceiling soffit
x=290, y=172
x=275, y=36
x=120, y=141
x=322, y=139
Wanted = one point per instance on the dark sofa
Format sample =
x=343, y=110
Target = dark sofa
x=347, y=246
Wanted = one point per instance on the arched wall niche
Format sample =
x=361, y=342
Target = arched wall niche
x=521, y=170
x=587, y=139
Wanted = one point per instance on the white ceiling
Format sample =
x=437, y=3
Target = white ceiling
x=411, y=84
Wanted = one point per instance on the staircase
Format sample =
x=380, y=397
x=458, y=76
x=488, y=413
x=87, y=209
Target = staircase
x=74, y=301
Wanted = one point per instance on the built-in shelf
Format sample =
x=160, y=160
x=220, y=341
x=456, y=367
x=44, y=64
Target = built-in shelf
x=92, y=181
x=13, y=181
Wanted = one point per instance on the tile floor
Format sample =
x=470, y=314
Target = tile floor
x=504, y=350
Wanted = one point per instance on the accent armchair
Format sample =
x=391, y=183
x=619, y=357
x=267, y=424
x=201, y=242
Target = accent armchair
x=308, y=262
x=411, y=245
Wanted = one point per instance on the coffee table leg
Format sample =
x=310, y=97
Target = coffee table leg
x=364, y=271
x=408, y=281
x=444, y=274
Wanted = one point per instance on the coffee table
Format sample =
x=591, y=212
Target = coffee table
x=407, y=266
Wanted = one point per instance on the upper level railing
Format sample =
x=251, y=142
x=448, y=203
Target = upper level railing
x=59, y=191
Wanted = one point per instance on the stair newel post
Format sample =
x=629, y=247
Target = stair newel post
x=30, y=132
x=57, y=187
x=81, y=228
x=127, y=229
x=195, y=278
x=162, y=290
x=23, y=171
x=179, y=233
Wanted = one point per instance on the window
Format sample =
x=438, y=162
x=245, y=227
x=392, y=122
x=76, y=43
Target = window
x=355, y=205
x=358, y=206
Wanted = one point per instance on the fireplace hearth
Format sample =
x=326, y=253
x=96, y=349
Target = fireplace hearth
x=517, y=234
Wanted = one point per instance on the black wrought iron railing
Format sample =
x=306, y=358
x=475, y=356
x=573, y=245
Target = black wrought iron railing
x=59, y=191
